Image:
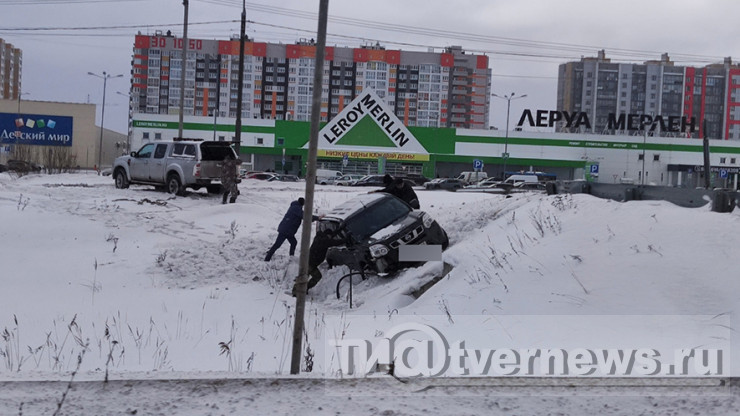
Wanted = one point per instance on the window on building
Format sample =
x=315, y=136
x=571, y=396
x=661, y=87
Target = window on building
x=145, y=135
x=733, y=160
x=157, y=136
x=656, y=157
x=640, y=156
x=260, y=141
x=723, y=160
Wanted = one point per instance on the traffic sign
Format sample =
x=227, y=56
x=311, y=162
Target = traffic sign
x=345, y=159
x=505, y=155
x=477, y=164
x=723, y=173
x=594, y=168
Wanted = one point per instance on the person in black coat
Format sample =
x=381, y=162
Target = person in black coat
x=401, y=189
x=288, y=227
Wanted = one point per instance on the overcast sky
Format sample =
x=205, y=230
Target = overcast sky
x=525, y=39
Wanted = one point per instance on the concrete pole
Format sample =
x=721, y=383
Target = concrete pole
x=184, y=66
x=240, y=80
x=302, y=279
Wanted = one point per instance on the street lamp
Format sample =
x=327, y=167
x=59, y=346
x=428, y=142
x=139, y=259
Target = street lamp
x=104, y=77
x=508, y=99
x=130, y=121
x=18, y=127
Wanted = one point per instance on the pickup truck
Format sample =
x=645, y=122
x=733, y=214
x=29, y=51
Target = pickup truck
x=174, y=165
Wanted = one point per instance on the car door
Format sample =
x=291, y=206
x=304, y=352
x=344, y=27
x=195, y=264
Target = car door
x=157, y=163
x=139, y=168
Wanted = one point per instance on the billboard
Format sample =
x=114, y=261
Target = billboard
x=35, y=129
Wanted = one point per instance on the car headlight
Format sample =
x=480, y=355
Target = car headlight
x=378, y=250
x=427, y=219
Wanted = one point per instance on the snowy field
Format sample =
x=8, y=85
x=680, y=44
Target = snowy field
x=139, y=287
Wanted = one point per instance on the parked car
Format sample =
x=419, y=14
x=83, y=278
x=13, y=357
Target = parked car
x=416, y=179
x=471, y=177
x=327, y=176
x=21, y=166
x=530, y=186
x=370, y=229
x=370, y=180
x=348, y=180
x=174, y=165
x=444, y=183
x=284, y=178
x=262, y=176
x=485, y=183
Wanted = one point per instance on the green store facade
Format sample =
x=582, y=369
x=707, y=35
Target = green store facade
x=366, y=138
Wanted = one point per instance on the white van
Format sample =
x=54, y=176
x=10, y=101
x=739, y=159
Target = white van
x=472, y=177
x=327, y=177
x=515, y=179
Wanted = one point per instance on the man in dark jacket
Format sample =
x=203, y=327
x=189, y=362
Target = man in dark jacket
x=288, y=227
x=401, y=189
x=229, y=179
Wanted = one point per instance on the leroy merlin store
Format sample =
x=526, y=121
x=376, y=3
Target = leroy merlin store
x=366, y=138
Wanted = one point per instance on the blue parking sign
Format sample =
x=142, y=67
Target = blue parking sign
x=723, y=173
x=594, y=168
x=477, y=164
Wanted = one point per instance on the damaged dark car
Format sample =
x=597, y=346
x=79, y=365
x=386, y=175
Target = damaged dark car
x=369, y=229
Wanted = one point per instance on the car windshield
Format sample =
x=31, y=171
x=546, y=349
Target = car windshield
x=376, y=217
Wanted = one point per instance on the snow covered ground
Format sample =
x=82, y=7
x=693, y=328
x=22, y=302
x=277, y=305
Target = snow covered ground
x=153, y=287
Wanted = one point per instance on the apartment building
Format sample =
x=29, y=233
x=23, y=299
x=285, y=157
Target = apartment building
x=659, y=90
x=11, y=62
x=427, y=89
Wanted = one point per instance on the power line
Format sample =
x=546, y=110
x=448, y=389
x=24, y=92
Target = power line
x=273, y=10
x=62, y=2
x=567, y=47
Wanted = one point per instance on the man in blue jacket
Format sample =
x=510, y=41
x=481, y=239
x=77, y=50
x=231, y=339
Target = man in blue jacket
x=288, y=227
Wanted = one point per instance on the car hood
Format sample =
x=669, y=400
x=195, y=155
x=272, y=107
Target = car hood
x=395, y=228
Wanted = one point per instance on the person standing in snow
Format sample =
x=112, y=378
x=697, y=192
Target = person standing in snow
x=229, y=179
x=400, y=189
x=288, y=227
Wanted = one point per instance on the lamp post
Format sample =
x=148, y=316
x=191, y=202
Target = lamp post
x=105, y=78
x=508, y=99
x=18, y=128
x=644, y=143
x=130, y=121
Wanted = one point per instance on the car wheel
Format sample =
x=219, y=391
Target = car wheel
x=121, y=179
x=174, y=186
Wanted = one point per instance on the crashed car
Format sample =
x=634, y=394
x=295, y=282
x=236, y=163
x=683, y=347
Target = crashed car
x=369, y=229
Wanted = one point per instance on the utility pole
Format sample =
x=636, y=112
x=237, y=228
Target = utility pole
x=301, y=282
x=239, y=92
x=707, y=165
x=644, y=143
x=218, y=98
x=184, y=66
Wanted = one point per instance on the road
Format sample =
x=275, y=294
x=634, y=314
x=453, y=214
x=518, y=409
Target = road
x=384, y=396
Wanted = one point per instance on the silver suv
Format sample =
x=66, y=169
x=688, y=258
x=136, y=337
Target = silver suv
x=174, y=165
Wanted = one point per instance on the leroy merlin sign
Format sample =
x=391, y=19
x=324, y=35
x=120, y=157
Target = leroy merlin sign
x=367, y=127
